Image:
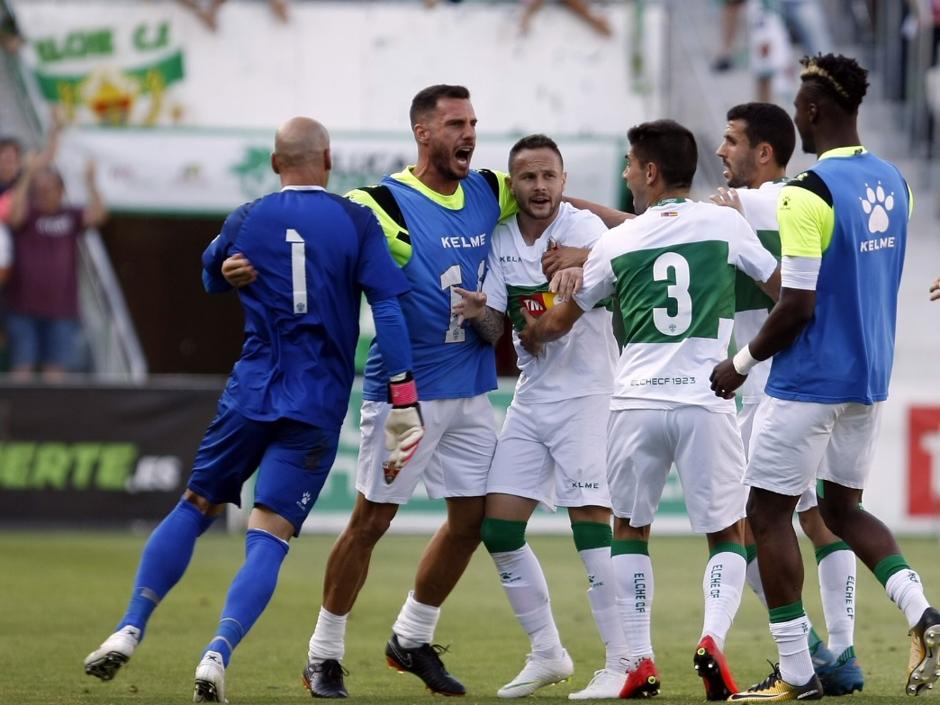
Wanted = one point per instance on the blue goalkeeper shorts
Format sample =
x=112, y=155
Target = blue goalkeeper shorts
x=292, y=458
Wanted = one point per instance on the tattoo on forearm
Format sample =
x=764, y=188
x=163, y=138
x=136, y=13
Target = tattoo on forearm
x=489, y=326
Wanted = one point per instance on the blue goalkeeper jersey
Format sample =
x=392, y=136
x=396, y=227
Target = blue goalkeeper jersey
x=440, y=242
x=315, y=254
x=851, y=211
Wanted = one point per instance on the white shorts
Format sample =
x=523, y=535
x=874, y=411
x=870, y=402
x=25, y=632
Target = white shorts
x=554, y=452
x=796, y=442
x=746, y=424
x=452, y=460
x=706, y=449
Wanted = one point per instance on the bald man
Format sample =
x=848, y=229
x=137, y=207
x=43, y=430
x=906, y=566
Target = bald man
x=284, y=403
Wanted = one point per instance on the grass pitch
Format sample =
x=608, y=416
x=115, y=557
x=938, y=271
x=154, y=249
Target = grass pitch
x=63, y=592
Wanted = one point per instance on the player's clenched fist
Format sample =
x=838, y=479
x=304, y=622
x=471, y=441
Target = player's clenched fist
x=404, y=427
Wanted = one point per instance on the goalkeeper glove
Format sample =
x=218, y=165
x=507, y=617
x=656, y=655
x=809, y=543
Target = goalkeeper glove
x=404, y=426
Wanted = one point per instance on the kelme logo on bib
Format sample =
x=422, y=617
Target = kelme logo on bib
x=877, y=204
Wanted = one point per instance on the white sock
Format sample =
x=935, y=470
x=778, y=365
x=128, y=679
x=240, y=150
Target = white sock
x=525, y=586
x=796, y=666
x=906, y=591
x=753, y=579
x=634, y=577
x=602, y=594
x=416, y=622
x=722, y=586
x=328, y=640
x=837, y=588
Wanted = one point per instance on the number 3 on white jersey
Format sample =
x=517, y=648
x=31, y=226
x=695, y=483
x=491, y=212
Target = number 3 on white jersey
x=665, y=323
x=298, y=270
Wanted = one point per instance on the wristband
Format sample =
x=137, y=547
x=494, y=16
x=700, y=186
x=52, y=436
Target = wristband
x=403, y=391
x=743, y=361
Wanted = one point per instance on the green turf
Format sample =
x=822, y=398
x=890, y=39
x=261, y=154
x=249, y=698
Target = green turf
x=63, y=592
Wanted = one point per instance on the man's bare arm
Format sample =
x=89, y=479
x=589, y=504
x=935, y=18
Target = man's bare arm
x=611, y=216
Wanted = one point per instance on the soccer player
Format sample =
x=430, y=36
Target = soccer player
x=757, y=144
x=281, y=411
x=672, y=270
x=552, y=448
x=438, y=216
x=843, y=230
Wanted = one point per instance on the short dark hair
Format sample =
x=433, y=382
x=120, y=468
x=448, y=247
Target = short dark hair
x=670, y=146
x=766, y=122
x=537, y=141
x=11, y=142
x=426, y=99
x=839, y=77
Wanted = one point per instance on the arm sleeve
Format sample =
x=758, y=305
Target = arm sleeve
x=392, y=335
x=218, y=250
x=805, y=217
x=379, y=276
x=748, y=254
x=598, y=281
x=494, y=283
x=800, y=272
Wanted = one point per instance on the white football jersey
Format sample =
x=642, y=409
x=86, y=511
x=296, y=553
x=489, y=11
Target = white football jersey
x=752, y=305
x=672, y=270
x=578, y=364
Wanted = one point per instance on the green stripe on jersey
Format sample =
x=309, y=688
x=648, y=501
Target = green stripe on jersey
x=748, y=296
x=668, y=294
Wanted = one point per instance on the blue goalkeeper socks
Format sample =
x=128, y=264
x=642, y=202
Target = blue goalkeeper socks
x=250, y=591
x=164, y=560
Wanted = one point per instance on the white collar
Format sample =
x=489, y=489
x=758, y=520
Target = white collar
x=302, y=188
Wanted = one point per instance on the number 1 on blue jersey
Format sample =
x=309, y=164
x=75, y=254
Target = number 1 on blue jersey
x=298, y=270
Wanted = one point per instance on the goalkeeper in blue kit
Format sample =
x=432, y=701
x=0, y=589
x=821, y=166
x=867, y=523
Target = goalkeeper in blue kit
x=314, y=254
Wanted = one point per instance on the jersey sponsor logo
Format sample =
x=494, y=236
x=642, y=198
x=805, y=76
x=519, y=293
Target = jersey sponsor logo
x=455, y=242
x=879, y=243
x=504, y=259
x=877, y=205
x=669, y=214
x=537, y=304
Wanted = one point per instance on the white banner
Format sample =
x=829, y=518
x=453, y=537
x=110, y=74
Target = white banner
x=183, y=170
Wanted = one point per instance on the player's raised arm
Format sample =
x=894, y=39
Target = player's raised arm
x=213, y=277
x=611, y=216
